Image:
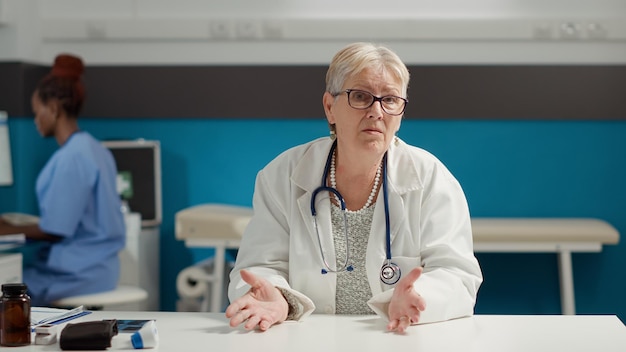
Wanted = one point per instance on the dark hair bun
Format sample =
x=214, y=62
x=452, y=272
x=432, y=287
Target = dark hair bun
x=69, y=66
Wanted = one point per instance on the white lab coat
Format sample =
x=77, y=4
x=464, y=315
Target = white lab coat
x=429, y=220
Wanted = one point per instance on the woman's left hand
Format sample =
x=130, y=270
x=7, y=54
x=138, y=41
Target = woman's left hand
x=406, y=304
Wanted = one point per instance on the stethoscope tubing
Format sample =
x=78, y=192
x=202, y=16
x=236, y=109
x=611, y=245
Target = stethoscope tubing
x=342, y=203
x=388, y=266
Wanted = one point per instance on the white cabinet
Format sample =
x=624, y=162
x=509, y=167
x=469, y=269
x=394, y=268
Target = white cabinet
x=11, y=264
x=140, y=262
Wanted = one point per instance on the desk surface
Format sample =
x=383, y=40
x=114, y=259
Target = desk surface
x=210, y=332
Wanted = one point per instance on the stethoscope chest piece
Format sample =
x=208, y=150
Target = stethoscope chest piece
x=390, y=273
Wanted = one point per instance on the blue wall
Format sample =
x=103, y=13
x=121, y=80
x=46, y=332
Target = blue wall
x=507, y=168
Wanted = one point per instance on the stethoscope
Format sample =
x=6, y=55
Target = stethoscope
x=389, y=272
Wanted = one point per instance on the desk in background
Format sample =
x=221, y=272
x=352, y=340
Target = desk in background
x=216, y=226
x=221, y=226
x=204, y=332
x=139, y=262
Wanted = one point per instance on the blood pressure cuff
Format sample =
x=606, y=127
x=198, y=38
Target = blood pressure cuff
x=89, y=335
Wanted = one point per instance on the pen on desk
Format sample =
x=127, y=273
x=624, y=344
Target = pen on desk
x=69, y=313
x=58, y=319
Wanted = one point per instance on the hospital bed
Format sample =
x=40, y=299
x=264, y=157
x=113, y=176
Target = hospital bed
x=220, y=226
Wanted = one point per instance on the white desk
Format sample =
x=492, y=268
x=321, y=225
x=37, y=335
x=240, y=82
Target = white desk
x=139, y=262
x=204, y=332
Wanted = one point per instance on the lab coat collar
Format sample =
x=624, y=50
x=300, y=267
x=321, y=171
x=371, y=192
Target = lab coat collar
x=310, y=168
x=403, y=175
x=402, y=172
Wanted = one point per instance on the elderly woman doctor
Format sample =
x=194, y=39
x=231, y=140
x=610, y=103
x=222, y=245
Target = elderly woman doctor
x=359, y=223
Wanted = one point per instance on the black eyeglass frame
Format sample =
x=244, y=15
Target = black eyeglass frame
x=374, y=99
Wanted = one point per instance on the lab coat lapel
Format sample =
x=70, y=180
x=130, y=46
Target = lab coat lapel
x=308, y=176
x=321, y=236
x=377, y=245
x=401, y=177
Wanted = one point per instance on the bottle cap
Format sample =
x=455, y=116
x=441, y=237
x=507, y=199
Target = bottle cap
x=146, y=337
x=14, y=288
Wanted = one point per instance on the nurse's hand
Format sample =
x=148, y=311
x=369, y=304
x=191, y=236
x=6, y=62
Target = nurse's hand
x=406, y=304
x=262, y=307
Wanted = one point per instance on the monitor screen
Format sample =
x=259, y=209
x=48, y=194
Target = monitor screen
x=139, y=177
x=6, y=169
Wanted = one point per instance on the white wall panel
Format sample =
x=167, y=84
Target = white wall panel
x=85, y=9
x=309, y=32
x=331, y=8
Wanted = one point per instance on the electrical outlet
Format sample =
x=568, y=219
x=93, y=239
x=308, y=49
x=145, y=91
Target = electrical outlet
x=95, y=30
x=221, y=29
x=272, y=30
x=248, y=29
x=596, y=30
x=570, y=31
x=543, y=31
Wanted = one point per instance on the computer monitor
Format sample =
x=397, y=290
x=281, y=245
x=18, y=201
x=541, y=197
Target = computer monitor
x=6, y=169
x=139, y=177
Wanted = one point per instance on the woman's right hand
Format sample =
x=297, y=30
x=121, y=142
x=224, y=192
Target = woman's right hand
x=262, y=306
x=406, y=304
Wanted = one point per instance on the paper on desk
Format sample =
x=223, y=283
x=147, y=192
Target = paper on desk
x=12, y=241
x=20, y=219
x=45, y=315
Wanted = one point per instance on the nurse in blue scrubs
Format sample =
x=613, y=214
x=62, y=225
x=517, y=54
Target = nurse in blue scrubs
x=81, y=226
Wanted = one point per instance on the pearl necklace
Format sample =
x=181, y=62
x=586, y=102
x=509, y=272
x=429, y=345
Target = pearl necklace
x=333, y=184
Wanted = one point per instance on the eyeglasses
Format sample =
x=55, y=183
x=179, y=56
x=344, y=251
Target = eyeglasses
x=362, y=99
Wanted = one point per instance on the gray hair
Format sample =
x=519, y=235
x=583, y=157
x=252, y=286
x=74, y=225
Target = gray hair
x=354, y=58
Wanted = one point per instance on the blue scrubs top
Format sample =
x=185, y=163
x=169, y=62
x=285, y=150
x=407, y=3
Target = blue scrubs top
x=78, y=201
